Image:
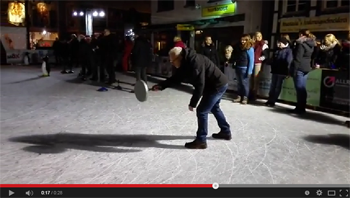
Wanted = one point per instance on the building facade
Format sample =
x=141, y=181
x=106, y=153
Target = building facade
x=117, y=16
x=224, y=20
x=321, y=17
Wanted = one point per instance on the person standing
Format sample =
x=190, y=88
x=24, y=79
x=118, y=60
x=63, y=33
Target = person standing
x=328, y=53
x=128, y=45
x=281, y=62
x=244, y=59
x=141, y=56
x=97, y=69
x=57, y=50
x=210, y=85
x=301, y=66
x=108, y=50
x=260, y=55
x=210, y=51
x=74, y=54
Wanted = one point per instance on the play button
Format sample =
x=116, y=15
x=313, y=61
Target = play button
x=11, y=193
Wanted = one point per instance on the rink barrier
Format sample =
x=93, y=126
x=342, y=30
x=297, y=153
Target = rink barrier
x=328, y=90
x=17, y=56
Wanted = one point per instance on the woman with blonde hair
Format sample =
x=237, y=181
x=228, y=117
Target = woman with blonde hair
x=260, y=55
x=328, y=52
x=244, y=58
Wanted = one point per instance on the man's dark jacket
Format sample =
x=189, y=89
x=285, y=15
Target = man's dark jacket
x=201, y=72
x=211, y=52
x=281, y=61
x=141, y=54
x=74, y=47
x=108, y=46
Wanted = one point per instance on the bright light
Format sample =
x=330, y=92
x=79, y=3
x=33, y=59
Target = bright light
x=75, y=13
x=95, y=14
x=81, y=13
x=44, y=32
x=102, y=14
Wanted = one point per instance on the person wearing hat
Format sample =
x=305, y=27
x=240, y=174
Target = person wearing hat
x=281, y=62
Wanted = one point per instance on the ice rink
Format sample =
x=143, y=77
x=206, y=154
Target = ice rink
x=61, y=130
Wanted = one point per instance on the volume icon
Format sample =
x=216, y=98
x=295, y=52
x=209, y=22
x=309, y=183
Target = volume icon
x=29, y=193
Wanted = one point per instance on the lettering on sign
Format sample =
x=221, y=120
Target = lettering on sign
x=218, y=9
x=321, y=23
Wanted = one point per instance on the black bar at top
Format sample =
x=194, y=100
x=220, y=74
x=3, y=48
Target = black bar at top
x=170, y=192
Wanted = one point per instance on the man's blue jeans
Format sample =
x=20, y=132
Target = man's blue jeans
x=275, y=87
x=242, y=81
x=211, y=103
x=300, y=79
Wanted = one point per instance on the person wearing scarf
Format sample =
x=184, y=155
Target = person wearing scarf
x=260, y=55
x=328, y=53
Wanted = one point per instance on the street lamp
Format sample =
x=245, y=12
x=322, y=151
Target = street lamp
x=89, y=17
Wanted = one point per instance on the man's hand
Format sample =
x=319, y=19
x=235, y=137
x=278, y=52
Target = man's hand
x=156, y=88
x=190, y=108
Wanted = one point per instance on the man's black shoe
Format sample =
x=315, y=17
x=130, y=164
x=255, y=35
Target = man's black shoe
x=222, y=136
x=64, y=72
x=269, y=104
x=71, y=72
x=196, y=144
x=296, y=111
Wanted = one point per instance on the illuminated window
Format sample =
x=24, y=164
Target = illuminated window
x=16, y=13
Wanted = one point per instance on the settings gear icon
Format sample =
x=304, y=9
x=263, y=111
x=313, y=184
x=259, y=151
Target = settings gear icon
x=319, y=192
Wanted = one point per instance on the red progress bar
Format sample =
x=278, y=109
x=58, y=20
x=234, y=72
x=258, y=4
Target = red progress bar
x=106, y=186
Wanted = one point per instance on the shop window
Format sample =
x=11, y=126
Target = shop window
x=190, y=3
x=165, y=5
x=329, y=4
x=296, y=6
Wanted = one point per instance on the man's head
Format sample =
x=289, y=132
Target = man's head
x=175, y=56
x=106, y=32
x=208, y=40
x=282, y=43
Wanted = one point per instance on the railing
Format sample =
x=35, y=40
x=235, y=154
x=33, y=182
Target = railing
x=328, y=89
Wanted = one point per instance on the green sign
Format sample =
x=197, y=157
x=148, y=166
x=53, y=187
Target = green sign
x=313, y=87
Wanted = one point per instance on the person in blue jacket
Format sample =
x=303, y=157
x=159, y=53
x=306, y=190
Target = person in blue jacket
x=244, y=59
x=280, y=66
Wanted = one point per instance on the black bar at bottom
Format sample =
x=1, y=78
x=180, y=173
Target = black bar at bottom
x=174, y=192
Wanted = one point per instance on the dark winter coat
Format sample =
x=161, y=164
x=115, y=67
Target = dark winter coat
x=281, y=61
x=211, y=52
x=141, y=53
x=202, y=73
x=343, y=60
x=303, y=50
x=327, y=56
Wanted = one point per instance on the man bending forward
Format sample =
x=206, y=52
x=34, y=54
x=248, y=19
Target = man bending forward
x=209, y=82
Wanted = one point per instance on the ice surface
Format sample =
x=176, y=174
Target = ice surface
x=59, y=130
